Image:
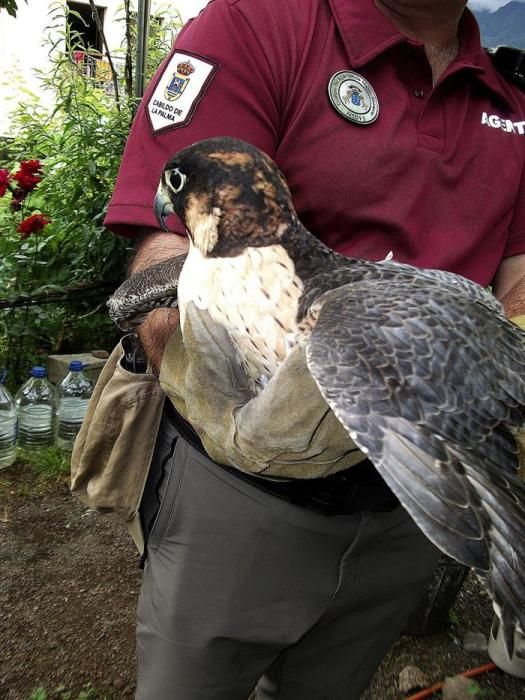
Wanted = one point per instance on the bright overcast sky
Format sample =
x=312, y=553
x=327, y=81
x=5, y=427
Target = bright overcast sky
x=489, y=4
x=190, y=8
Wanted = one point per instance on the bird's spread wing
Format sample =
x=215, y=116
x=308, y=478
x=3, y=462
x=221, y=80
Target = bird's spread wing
x=144, y=291
x=428, y=382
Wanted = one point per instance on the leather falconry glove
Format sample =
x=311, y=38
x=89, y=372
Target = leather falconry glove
x=286, y=431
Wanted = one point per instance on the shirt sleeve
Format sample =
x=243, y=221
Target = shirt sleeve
x=240, y=99
x=516, y=240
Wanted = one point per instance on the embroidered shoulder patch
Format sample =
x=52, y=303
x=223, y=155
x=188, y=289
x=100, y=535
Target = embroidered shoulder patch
x=178, y=91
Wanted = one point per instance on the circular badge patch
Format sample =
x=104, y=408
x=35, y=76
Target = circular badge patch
x=353, y=97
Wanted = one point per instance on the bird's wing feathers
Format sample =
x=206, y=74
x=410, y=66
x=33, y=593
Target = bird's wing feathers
x=151, y=288
x=428, y=381
x=353, y=271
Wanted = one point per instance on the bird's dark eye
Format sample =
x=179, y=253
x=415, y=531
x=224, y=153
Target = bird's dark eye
x=176, y=180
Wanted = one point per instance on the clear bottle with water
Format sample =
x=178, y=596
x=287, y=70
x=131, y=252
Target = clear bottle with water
x=8, y=426
x=74, y=393
x=36, y=406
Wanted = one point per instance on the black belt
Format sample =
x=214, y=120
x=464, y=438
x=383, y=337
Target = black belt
x=354, y=489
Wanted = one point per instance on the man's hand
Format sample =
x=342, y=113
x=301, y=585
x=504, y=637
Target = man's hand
x=161, y=323
x=509, y=285
x=509, y=288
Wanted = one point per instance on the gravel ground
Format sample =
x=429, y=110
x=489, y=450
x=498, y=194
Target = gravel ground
x=70, y=581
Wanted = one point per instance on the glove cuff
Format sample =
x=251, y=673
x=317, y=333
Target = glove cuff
x=519, y=321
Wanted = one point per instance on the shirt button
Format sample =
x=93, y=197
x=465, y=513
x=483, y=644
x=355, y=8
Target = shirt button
x=419, y=94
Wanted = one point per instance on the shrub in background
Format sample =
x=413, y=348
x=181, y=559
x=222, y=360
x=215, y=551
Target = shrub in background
x=63, y=252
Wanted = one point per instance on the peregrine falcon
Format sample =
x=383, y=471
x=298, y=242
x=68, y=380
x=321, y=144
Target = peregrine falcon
x=420, y=366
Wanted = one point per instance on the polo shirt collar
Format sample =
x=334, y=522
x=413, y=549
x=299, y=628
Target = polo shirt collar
x=474, y=57
x=367, y=33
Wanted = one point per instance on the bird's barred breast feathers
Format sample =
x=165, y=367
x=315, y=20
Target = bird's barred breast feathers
x=255, y=296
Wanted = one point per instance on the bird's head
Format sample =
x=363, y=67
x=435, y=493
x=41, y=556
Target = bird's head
x=229, y=195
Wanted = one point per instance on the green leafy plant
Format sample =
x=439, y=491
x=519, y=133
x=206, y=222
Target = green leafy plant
x=58, y=269
x=9, y=5
x=60, y=693
x=476, y=691
x=50, y=462
x=39, y=694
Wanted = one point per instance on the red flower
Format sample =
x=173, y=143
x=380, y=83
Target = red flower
x=32, y=224
x=4, y=181
x=18, y=197
x=30, y=167
x=26, y=181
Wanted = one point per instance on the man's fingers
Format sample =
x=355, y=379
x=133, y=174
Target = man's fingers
x=154, y=334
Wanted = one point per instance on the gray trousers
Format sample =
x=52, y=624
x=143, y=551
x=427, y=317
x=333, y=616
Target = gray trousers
x=244, y=589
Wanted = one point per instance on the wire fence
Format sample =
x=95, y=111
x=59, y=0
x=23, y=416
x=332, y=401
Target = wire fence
x=67, y=296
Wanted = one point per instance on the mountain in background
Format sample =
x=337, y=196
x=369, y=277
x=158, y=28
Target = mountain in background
x=505, y=26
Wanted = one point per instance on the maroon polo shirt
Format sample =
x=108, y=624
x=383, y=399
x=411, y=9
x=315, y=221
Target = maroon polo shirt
x=438, y=177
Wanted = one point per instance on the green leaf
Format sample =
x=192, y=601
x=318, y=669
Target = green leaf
x=80, y=140
x=10, y=6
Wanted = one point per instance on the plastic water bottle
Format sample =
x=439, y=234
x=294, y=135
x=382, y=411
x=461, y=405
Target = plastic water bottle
x=36, y=406
x=8, y=423
x=74, y=393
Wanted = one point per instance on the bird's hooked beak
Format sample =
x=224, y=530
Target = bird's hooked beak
x=162, y=207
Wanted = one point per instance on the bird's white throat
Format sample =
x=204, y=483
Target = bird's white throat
x=255, y=295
